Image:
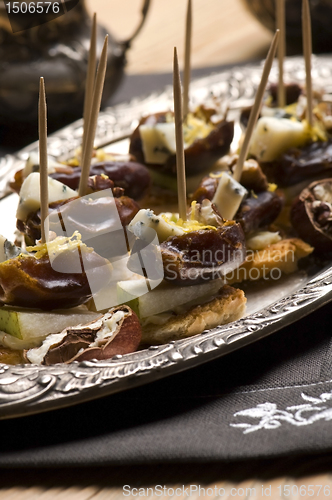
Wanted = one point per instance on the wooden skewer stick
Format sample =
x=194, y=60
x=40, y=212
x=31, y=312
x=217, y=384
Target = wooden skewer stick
x=42, y=129
x=187, y=69
x=90, y=137
x=256, y=107
x=281, y=25
x=307, y=50
x=178, y=117
x=90, y=81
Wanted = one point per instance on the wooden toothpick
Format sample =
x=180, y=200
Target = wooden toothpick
x=256, y=107
x=307, y=51
x=43, y=171
x=90, y=81
x=187, y=69
x=281, y=26
x=92, y=126
x=178, y=117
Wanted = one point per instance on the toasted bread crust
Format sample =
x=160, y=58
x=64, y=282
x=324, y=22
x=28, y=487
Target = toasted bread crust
x=283, y=255
x=228, y=306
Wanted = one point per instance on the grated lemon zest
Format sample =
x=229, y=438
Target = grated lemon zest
x=72, y=162
x=196, y=128
x=291, y=109
x=192, y=215
x=272, y=187
x=100, y=154
x=215, y=176
x=188, y=225
x=58, y=245
x=316, y=132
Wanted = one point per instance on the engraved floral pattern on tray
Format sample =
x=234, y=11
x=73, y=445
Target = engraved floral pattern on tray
x=30, y=389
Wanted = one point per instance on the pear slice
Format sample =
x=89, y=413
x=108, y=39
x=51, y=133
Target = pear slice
x=31, y=324
x=165, y=297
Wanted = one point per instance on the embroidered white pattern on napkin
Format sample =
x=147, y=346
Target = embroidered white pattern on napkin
x=271, y=417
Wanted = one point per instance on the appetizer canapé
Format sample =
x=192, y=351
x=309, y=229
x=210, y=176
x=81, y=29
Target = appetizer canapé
x=289, y=150
x=126, y=173
x=205, y=141
x=198, y=306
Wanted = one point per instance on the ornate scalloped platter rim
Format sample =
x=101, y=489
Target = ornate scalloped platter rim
x=30, y=389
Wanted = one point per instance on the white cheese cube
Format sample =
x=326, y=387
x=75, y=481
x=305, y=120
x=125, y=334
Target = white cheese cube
x=146, y=218
x=32, y=165
x=158, y=142
x=30, y=194
x=7, y=249
x=228, y=196
x=274, y=136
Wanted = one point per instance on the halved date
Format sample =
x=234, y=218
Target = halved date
x=93, y=218
x=28, y=281
x=132, y=177
x=200, y=155
x=202, y=255
x=116, y=332
x=311, y=215
x=259, y=211
x=298, y=165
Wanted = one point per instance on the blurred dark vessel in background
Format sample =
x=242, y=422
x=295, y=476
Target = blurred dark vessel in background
x=321, y=15
x=57, y=49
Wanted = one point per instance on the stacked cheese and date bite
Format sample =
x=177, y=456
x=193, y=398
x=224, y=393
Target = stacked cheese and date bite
x=298, y=157
x=34, y=293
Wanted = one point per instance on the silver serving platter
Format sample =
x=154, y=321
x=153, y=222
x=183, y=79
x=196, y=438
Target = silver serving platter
x=28, y=389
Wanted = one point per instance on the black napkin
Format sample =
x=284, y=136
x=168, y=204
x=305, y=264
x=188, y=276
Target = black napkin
x=270, y=399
